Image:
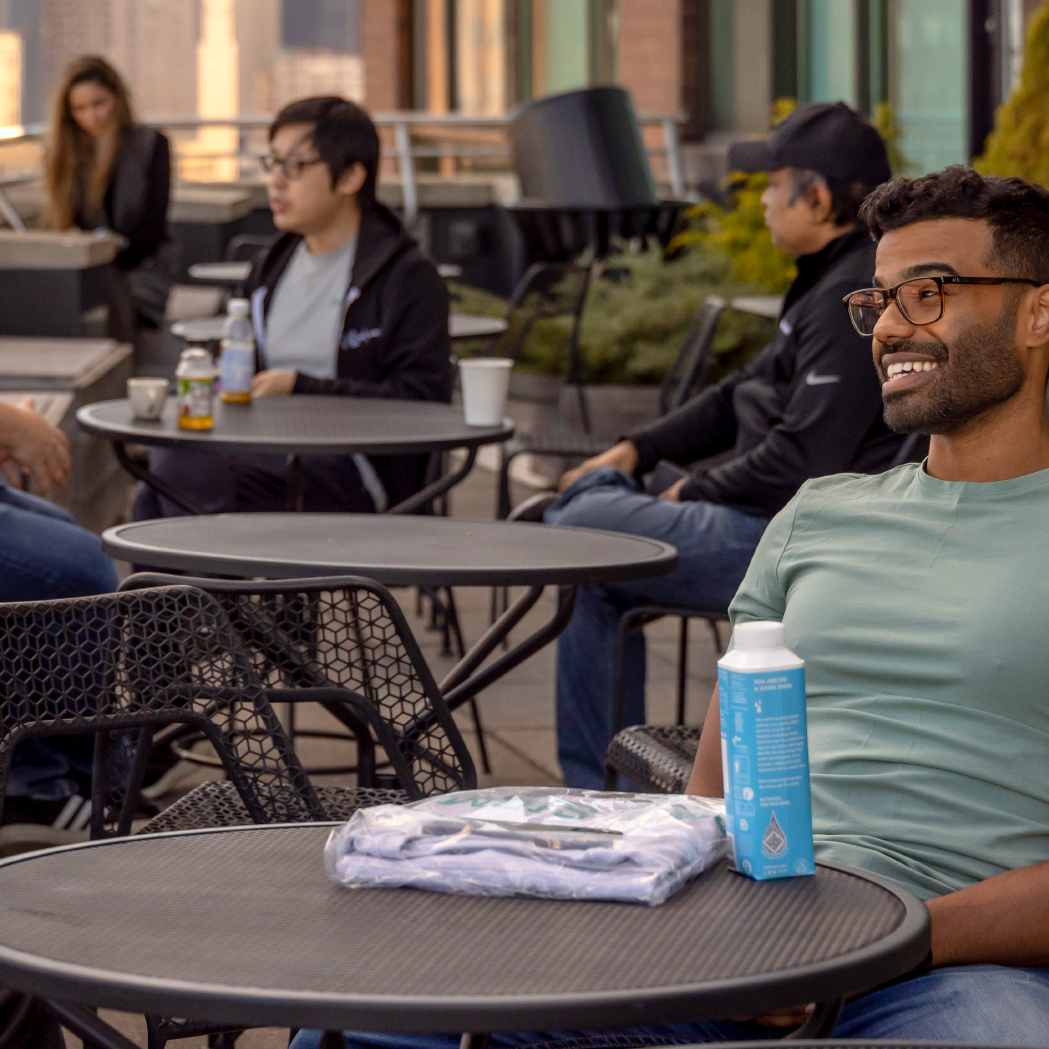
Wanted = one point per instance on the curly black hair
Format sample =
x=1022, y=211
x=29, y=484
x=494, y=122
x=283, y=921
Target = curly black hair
x=1017, y=212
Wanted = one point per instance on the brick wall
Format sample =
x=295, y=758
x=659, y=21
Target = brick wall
x=381, y=47
x=650, y=53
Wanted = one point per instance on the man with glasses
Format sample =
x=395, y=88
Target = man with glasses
x=808, y=405
x=918, y=599
x=343, y=303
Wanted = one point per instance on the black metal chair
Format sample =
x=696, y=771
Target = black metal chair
x=122, y=666
x=345, y=643
x=342, y=642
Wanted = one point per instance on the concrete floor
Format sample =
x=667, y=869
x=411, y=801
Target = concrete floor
x=517, y=712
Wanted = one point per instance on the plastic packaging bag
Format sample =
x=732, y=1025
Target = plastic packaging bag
x=553, y=843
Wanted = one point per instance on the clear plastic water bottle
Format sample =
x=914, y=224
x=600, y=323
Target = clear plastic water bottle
x=237, y=363
x=765, y=754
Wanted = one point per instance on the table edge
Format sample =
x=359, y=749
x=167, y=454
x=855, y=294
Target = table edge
x=909, y=945
x=207, y=439
x=663, y=562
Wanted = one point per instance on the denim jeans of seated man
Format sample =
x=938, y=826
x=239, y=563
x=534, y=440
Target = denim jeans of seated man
x=45, y=554
x=714, y=544
x=981, y=1004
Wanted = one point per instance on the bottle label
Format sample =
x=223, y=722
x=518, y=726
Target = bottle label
x=765, y=758
x=195, y=401
x=238, y=369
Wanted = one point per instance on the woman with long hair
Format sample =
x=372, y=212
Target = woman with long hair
x=104, y=170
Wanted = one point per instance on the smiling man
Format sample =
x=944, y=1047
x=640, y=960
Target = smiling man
x=919, y=598
x=344, y=303
x=808, y=405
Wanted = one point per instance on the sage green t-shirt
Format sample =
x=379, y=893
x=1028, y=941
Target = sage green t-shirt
x=921, y=609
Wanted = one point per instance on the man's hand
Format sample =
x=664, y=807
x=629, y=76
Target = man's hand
x=273, y=383
x=622, y=456
x=30, y=444
x=673, y=493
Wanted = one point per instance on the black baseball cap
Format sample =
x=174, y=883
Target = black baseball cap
x=827, y=137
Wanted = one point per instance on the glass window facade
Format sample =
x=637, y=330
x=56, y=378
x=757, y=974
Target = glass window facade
x=928, y=81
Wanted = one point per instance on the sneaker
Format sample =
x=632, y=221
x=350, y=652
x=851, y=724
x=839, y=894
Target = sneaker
x=29, y=824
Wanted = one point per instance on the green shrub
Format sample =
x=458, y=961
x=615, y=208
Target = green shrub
x=1019, y=143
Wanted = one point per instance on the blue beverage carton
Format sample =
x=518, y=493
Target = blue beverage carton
x=765, y=754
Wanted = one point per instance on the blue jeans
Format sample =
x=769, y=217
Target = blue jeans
x=715, y=545
x=45, y=554
x=984, y=1004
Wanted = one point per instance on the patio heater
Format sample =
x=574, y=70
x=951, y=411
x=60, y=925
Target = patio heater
x=584, y=175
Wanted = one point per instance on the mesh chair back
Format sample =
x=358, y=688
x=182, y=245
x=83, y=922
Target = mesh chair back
x=119, y=662
x=348, y=634
x=688, y=374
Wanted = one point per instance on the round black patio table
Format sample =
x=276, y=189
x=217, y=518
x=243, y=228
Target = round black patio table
x=242, y=926
x=411, y=551
x=301, y=425
x=395, y=551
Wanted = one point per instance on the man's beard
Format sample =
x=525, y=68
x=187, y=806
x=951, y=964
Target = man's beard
x=978, y=372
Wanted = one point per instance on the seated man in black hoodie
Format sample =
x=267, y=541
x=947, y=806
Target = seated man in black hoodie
x=808, y=406
x=343, y=303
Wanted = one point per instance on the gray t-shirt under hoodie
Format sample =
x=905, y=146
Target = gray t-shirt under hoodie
x=305, y=318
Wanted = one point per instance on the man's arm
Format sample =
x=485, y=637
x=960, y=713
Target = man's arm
x=39, y=449
x=706, y=779
x=1002, y=920
x=704, y=426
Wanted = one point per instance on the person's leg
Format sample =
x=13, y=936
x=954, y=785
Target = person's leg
x=45, y=554
x=205, y=478
x=982, y=1004
x=715, y=545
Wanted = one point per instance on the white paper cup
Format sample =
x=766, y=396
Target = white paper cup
x=485, y=382
x=147, y=397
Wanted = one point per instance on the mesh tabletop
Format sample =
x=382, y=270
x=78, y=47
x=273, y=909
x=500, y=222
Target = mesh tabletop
x=394, y=550
x=303, y=424
x=244, y=926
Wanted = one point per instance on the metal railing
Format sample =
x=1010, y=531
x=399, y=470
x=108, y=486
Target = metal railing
x=407, y=126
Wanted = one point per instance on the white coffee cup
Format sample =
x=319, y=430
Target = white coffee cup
x=147, y=397
x=485, y=382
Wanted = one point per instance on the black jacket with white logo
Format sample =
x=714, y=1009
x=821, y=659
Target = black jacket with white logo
x=809, y=405
x=394, y=336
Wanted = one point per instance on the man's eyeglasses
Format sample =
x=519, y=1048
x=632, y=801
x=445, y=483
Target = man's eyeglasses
x=920, y=299
x=291, y=167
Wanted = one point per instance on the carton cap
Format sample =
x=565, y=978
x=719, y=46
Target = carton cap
x=761, y=634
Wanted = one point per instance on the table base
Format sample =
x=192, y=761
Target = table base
x=296, y=494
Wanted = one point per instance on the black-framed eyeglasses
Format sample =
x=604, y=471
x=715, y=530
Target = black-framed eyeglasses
x=919, y=299
x=291, y=167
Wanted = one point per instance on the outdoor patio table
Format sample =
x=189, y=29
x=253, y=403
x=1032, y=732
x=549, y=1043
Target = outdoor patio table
x=460, y=325
x=413, y=551
x=233, y=273
x=761, y=305
x=242, y=926
x=301, y=425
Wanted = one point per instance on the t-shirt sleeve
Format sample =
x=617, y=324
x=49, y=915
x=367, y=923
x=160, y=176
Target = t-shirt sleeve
x=762, y=594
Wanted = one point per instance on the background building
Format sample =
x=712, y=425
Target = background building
x=941, y=65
